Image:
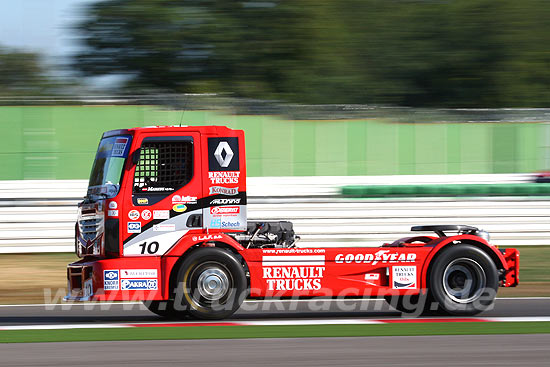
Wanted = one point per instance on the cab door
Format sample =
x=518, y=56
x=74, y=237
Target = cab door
x=225, y=183
x=164, y=189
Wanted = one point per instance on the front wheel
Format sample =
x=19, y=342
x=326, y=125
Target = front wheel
x=463, y=280
x=211, y=284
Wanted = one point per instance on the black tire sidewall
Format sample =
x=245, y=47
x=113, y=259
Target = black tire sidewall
x=437, y=270
x=184, y=288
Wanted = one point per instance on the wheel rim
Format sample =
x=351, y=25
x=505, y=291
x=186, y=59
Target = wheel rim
x=212, y=284
x=464, y=280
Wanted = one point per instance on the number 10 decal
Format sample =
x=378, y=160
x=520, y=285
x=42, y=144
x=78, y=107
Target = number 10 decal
x=150, y=248
x=153, y=243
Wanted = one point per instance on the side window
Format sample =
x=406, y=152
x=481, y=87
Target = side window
x=164, y=166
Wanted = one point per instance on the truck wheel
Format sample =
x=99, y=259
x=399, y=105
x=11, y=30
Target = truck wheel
x=463, y=280
x=211, y=284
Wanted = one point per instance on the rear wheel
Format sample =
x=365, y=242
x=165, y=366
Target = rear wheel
x=463, y=280
x=211, y=284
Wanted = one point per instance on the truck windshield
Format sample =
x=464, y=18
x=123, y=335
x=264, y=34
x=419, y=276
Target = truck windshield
x=109, y=162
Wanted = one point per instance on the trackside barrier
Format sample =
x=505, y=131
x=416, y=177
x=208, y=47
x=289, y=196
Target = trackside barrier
x=39, y=216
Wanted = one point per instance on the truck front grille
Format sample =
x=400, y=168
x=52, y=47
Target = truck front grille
x=90, y=234
x=88, y=227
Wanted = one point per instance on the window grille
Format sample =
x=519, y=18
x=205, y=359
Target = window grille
x=163, y=166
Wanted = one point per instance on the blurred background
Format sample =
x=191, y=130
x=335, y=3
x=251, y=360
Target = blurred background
x=321, y=88
x=412, y=112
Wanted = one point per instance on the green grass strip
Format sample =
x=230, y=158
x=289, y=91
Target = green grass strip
x=285, y=331
x=452, y=190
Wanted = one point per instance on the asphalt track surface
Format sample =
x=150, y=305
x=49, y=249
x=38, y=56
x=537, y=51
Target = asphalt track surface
x=251, y=310
x=452, y=350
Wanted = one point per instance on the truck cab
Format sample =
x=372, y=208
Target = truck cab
x=149, y=187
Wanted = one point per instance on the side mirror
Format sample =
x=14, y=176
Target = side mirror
x=136, y=155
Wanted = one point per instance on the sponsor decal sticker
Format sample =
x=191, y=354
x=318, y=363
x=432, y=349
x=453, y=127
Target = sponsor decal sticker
x=157, y=189
x=372, y=276
x=111, y=280
x=294, y=272
x=134, y=227
x=160, y=189
x=164, y=227
x=133, y=215
x=208, y=237
x=139, y=284
x=113, y=205
x=138, y=273
x=219, y=190
x=161, y=214
x=223, y=154
x=224, y=177
x=225, y=201
x=177, y=199
x=219, y=223
x=119, y=146
x=111, y=274
x=146, y=214
x=179, y=208
x=112, y=213
x=221, y=210
x=294, y=260
x=403, y=277
x=294, y=251
x=382, y=256
x=143, y=201
x=88, y=288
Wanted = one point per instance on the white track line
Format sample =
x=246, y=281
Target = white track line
x=314, y=322
x=520, y=319
x=62, y=326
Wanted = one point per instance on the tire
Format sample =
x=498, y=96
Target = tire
x=211, y=284
x=463, y=280
x=165, y=309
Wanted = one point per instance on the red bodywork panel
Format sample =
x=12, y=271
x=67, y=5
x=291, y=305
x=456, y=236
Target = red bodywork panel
x=511, y=256
x=304, y=272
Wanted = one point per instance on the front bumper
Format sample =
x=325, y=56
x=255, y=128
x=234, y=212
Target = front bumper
x=120, y=279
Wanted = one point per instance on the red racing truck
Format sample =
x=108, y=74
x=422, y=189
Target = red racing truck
x=164, y=221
